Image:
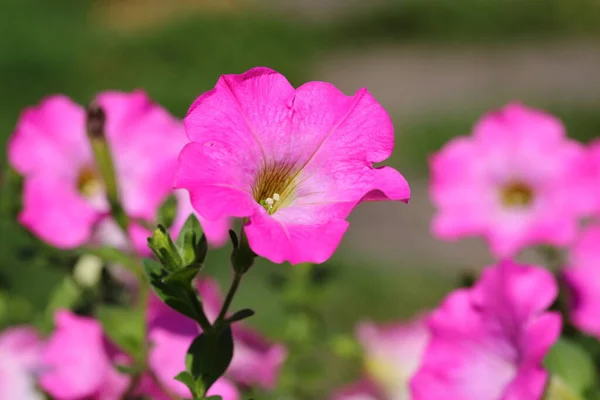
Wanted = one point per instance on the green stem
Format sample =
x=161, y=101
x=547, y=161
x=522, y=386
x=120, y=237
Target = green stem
x=202, y=318
x=235, y=283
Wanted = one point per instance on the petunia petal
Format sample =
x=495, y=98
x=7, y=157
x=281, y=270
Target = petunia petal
x=50, y=134
x=296, y=243
x=55, y=212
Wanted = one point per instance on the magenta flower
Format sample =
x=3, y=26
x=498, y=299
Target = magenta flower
x=20, y=351
x=517, y=181
x=393, y=354
x=294, y=162
x=78, y=362
x=583, y=278
x=256, y=362
x=488, y=342
x=63, y=198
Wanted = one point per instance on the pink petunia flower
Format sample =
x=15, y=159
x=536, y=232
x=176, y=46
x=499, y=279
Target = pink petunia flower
x=20, y=352
x=63, y=197
x=256, y=362
x=392, y=354
x=295, y=162
x=517, y=181
x=488, y=342
x=582, y=275
x=78, y=362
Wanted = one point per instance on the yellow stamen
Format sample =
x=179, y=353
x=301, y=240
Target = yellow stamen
x=88, y=182
x=274, y=186
x=517, y=194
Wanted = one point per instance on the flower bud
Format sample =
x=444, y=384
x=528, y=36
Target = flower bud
x=96, y=118
x=164, y=249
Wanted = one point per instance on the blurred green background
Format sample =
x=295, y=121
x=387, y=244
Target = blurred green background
x=436, y=65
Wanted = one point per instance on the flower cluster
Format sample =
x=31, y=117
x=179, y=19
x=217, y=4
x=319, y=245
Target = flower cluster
x=78, y=361
x=485, y=343
x=291, y=163
x=519, y=182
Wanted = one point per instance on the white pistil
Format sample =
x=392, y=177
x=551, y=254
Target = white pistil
x=276, y=197
x=269, y=202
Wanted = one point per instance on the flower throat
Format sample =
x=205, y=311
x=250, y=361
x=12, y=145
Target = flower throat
x=274, y=186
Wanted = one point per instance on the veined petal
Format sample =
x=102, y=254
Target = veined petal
x=294, y=242
x=251, y=111
x=217, y=188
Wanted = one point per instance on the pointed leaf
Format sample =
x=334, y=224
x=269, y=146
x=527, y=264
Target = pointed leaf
x=167, y=211
x=191, y=225
x=240, y=315
x=183, y=300
x=196, y=387
x=209, y=355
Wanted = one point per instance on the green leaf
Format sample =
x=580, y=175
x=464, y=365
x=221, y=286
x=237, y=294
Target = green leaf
x=64, y=296
x=125, y=327
x=209, y=355
x=191, y=225
x=179, y=298
x=572, y=364
x=192, y=242
x=214, y=398
x=240, y=315
x=196, y=386
x=167, y=211
x=558, y=390
x=127, y=369
x=182, y=277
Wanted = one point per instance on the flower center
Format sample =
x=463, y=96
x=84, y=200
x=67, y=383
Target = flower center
x=88, y=182
x=517, y=194
x=274, y=186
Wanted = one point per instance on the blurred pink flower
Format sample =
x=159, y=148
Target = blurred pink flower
x=362, y=390
x=256, y=362
x=488, y=342
x=295, y=162
x=78, y=362
x=392, y=354
x=594, y=167
x=63, y=197
x=20, y=352
x=583, y=278
x=518, y=181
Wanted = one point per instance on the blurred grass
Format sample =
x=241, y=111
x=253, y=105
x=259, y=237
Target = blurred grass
x=471, y=21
